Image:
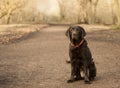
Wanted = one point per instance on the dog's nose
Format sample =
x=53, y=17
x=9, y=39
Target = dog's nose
x=74, y=34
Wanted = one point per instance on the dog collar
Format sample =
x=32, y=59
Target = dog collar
x=80, y=43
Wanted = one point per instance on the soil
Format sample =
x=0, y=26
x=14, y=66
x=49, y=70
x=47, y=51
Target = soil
x=39, y=60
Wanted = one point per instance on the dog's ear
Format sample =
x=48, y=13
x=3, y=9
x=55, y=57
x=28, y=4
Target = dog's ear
x=67, y=33
x=83, y=31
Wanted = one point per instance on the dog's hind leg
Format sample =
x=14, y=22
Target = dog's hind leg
x=92, y=71
x=68, y=61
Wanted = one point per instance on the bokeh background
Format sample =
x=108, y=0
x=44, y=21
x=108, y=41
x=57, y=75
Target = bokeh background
x=60, y=11
x=34, y=48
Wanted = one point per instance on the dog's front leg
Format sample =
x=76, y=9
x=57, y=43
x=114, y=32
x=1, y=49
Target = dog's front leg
x=72, y=79
x=86, y=71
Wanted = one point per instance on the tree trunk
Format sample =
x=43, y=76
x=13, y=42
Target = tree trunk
x=8, y=18
x=62, y=9
x=93, y=9
x=82, y=11
x=118, y=12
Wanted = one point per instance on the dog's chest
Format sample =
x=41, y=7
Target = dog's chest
x=76, y=53
x=76, y=56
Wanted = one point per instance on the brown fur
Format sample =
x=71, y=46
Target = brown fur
x=80, y=57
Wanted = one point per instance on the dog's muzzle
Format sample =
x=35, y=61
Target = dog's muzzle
x=74, y=36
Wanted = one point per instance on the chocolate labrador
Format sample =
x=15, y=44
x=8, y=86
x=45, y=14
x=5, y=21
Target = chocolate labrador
x=80, y=56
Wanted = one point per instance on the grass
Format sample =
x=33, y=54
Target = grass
x=115, y=27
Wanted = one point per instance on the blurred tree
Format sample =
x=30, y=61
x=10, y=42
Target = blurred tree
x=85, y=14
x=7, y=7
x=82, y=11
x=118, y=12
x=93, y=9
x=62, y=9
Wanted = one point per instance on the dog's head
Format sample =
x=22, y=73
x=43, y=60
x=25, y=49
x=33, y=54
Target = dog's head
x=75, y=33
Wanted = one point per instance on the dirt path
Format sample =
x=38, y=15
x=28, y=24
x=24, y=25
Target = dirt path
x=39, y=61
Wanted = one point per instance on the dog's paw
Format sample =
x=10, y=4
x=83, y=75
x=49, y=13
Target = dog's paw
x=80, y=78
x=87, y=82
x=67, y=61
x=70, y=81
x=92, y=79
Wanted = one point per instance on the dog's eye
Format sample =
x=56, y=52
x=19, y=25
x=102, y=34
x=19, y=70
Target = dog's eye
x=71, y=29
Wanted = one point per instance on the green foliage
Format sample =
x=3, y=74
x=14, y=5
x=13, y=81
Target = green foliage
x=116, y=27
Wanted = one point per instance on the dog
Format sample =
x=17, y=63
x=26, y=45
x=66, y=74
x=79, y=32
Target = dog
x=80, y=56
